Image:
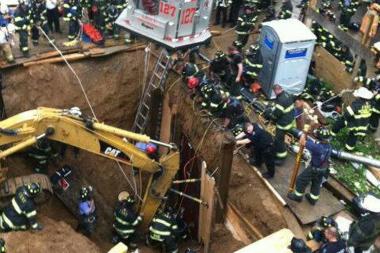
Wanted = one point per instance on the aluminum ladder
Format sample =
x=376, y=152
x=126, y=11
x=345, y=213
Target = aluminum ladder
x=157, y=81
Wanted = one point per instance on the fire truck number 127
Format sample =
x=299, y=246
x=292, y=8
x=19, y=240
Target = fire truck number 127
x=188, y=15
x=167, y=9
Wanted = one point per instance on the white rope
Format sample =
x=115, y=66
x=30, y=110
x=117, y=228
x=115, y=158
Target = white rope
x=89, y=104
x=72, y=70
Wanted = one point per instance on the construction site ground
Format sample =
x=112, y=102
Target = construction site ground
x=114, y=85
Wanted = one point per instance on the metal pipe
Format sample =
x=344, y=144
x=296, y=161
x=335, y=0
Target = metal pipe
x=342, y=154
x=189, y=197
x=191, y=180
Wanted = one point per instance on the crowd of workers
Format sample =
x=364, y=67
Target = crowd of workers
x=31, y=17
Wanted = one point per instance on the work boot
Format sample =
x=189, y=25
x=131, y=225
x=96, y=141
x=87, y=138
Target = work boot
x=267, y=175
x=310, y=199
x=279, y=162
x=294, y=197
x=26, y=54
x=253, y=162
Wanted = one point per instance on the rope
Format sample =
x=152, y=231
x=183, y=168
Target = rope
x=71, y=69
x=88, y=102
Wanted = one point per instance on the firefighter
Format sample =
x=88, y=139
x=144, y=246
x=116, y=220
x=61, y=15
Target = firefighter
x=21, y=213
x=98, y=10
x=363, y=233
x=236, y=62
x=221, y=11
x=22, y=23
x=126, y=221
x=261, y=145
x=72, y=14
x=3, y=249
x=234, y=11
x=374, y=120
x=111, y=14
x=317, y=232
x=41, y=153
x=38, y=19
x=163, y=231
x=245, y=24
x=318, y=168
x=7, y=41
x=191, y=69
x=252, y=65
x=356, y=117
x=120, y=5
x=348, y=10
x=333, y=244
x=212, y=99
x=87, y=211
x=220, y=67
x=286, y=10
x=234, y=112
x=347, y=59
x=283, y=114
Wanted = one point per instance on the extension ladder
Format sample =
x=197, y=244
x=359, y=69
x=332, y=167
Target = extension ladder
x=157, y=81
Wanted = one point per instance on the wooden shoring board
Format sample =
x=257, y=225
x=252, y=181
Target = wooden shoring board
x=277, y=242
x=8, y=187
x=306, y=213
x=331, y=70
x=206, y=212
x=233, y=222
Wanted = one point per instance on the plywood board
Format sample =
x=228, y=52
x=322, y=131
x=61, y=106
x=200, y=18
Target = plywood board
x=331, y=70
x=277, y=242
x=206, y=212
x=306, y=213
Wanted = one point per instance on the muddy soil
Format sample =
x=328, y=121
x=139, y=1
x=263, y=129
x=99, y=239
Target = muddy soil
x=55, y=237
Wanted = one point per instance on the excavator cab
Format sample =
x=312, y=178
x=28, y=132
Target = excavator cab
x=175, y=24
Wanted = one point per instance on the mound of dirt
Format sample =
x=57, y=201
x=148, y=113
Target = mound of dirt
x=55, y=237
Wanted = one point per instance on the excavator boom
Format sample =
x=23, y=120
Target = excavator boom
x=73, y=128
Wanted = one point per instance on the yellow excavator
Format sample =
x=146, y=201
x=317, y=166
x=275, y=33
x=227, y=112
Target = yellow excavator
x=72, y=127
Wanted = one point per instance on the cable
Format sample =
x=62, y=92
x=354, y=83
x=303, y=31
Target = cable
x=72, y=70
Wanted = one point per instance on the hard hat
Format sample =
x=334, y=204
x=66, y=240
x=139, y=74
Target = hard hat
x=192, y=82
x=364, y=93
x=85, y=192
x=124, y=196
x=370, y=203
x=299, y=246
x=219, y=54
x=151, y=148
x=322, y=134
x=33, y=189
x=327, y=222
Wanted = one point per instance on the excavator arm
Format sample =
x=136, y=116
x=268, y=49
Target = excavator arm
x=73, y=128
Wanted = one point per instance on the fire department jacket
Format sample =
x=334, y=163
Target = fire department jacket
x=126, y=221
x=357, y=116
x=20, y=212
x=22, y=18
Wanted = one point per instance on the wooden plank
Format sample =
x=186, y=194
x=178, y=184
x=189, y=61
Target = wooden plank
x=224, y=179
x=306, y=213
x=252, y=229
x=70, y=57
x=233, y=223
x=206, y=212
x=277, y=242
x=331, y=70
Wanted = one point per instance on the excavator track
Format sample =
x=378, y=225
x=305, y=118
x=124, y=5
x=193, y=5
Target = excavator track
x=9, y=186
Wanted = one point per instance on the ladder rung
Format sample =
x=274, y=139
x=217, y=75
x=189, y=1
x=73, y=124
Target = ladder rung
x=162, y=65
x=157, y=75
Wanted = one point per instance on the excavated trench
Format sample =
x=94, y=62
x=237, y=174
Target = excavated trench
x=113, y=85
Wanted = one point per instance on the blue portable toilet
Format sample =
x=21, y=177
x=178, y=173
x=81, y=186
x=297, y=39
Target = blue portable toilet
x=287, y=48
